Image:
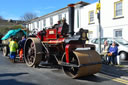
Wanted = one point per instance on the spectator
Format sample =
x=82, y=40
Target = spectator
x=13, y=49
x=113, y=52
x=21, y=47
x=105, y=51
x=10, y=39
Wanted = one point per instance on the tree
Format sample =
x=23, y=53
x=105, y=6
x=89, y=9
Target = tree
x=5, y=29
x=1, y=18
x=28, y=16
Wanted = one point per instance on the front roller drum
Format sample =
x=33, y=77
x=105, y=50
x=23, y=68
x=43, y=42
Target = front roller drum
x=82, y=63
x=32, y=52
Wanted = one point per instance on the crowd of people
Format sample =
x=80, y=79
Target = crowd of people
x=14, y=46
x=110, y=53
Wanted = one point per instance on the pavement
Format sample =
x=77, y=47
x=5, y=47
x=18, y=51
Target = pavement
x=124, y=64
x=120, y=71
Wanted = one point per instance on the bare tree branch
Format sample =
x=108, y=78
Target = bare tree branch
x=1, y=18
x=28, y=16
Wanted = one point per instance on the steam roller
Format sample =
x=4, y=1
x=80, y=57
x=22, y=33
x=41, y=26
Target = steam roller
x=75, y=62
x=60, y=46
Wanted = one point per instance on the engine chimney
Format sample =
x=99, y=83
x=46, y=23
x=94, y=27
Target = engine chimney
x=71, y=19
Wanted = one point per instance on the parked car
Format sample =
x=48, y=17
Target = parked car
x=121, y=43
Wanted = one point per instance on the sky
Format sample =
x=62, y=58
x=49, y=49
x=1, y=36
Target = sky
x=14, y=9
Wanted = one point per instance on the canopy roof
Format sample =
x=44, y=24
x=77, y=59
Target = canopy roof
x=12, y=33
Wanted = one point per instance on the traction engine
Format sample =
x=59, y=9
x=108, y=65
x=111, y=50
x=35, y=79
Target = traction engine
x=58, y=45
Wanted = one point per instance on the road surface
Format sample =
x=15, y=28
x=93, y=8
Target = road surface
x=20, y=74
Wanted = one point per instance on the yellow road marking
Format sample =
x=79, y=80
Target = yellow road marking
x=120, y=80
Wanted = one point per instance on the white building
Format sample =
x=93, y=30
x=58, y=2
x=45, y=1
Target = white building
x=114, y=18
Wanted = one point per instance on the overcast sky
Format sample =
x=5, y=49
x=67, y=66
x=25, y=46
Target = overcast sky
x=14, y=9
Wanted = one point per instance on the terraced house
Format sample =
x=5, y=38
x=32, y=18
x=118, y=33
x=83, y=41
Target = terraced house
x=114, y=18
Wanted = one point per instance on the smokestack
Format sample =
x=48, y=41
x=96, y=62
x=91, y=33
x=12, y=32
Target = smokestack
x=71, y=19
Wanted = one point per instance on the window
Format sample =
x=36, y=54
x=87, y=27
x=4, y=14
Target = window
x=93, y=41
x=65, y=16
x=44, y=22
x=90, y=34
x=118, y=9
x=51, y=21
x=27, y=26
x=91, y=16
x=33, y=24
x=118, y=33
x=97, y=41
x=77, y=18
x=60, y=17
x=109, y=41
x=102, y=40
x=37, y=24
x=40, y=24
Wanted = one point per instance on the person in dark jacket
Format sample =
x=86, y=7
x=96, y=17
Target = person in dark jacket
x=113, y=51
x=21, y=47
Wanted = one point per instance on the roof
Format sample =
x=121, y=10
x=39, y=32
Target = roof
x=12, y=33
x=81, y=2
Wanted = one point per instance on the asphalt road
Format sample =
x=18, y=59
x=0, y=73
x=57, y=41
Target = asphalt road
x=21, y=74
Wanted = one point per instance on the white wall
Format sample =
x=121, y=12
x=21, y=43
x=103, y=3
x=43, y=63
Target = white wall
x=93, y=28
x=31, y=26
x=108, y=23
x=107, y=14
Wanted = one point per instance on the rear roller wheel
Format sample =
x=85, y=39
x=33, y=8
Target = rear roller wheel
x=32, y=52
